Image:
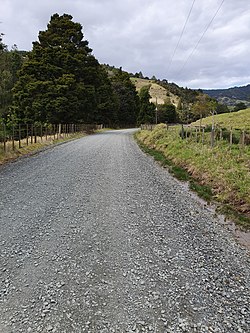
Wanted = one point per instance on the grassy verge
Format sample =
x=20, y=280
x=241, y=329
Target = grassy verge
x=34, y=148
x=178, y=172
x=220, y=174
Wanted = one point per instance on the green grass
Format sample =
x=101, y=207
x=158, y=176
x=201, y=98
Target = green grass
x=220, y=174
x=204, y=192
x=239, y=120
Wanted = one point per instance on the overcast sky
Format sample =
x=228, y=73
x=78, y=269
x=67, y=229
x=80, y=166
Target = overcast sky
x=142, y=35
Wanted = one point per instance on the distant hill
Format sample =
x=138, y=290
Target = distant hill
x=231, y=96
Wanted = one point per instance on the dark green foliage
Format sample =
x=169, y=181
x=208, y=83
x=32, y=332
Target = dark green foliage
x=2, y=45
x=167, y=113
x=139, y=75
x=147, y=109
x=5, y=83
x=107, y=104
x=221, y=108
x=5, y=79
x=10, y=63
x=236, y=135
x=61, y=81
x=204, y=191
x=239, y=106
x=127, y=99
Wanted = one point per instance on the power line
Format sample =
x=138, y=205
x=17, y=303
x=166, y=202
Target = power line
x=178, y=43
x=204, y=32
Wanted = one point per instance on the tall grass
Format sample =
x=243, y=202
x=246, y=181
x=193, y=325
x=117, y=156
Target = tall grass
x=224, y=169
x=239, y=120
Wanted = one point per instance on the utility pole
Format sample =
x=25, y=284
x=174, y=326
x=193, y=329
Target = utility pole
x=156, y=111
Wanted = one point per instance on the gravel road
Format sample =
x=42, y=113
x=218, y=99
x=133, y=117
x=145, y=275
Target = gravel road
x=96, y=237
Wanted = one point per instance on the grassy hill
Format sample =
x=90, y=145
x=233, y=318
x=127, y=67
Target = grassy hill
x=239, y=120
x=156, y=91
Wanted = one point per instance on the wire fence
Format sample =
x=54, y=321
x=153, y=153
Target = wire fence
x=208, y=135
x=17, y=136
x=150, y=127
x=212, y=136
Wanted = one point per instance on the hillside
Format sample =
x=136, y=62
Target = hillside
x=163, y=90
x=239, y=120
x=156, y=91
x=231, y=96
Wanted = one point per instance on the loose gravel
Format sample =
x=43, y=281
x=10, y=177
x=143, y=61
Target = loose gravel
x=96, y=237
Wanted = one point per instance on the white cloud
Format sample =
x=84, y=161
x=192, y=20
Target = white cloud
x=142, y=35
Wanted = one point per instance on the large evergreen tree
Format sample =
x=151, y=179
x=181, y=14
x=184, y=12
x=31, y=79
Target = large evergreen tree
x=167, y=113
x=10, y=63
x=4, y=78
x=127, y=99
x=147, y=108
x=62, y=81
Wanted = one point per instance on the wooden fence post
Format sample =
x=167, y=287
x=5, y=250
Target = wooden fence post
x=27, y=134
x=231, y=137
x=203, y=134
x=212, y=138
x=19, y=135
x=31, y=133
x=182, y=131
x=243, y=139
x=4, y=137
x=221, y=134
x=35, y=134
x=41, y=132
x=13, y=137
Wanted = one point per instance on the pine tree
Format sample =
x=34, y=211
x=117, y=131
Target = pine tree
x=10, y=63
x=61, y=80
x=127, y=98
x=147, y=109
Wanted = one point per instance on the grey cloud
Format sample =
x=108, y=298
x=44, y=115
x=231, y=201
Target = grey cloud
x=142, y=35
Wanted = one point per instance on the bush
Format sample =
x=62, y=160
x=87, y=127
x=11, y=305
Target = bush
x=235, y=136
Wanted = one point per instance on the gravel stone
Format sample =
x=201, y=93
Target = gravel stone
x=97, y=237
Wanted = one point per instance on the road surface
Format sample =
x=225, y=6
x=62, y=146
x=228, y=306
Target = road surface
x=97, y=237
